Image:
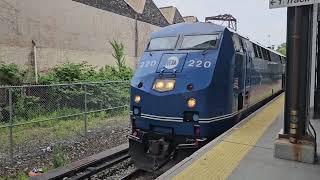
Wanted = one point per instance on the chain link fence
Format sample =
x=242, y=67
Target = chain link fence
x=32, y=107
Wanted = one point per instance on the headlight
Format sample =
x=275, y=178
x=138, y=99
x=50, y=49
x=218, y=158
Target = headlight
x=137, y=99
x=163, y=85
x=170, y=85
x=191, y=103
x=159, y=85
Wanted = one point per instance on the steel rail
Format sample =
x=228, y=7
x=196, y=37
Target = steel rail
x=89, y=166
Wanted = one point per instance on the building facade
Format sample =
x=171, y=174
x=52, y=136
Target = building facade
x=43, y=33
x=66, y=30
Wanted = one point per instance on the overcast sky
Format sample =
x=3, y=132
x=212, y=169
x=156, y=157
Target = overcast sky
x=255, y=19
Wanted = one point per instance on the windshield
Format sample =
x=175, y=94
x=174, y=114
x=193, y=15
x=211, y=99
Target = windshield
x=164, y=43
x=200, y=41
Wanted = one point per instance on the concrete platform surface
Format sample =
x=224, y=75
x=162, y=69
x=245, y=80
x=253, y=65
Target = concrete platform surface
x=246, y=152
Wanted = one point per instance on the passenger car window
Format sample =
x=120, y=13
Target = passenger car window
x=199, y=41
x=164, y=43
x=259, y=52
x=265, y=54
x=256, y=52
x=237, y=44
x=268, y=54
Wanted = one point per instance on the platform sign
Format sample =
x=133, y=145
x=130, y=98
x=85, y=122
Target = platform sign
x=290, y=3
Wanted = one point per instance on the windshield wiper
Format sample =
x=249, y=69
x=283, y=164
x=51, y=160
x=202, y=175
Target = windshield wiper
x=206, y=50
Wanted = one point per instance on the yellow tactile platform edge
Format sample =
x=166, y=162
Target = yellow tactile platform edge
x=220, y=161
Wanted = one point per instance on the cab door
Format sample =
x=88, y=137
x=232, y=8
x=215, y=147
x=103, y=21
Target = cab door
x=239, y=83
x=248, y=64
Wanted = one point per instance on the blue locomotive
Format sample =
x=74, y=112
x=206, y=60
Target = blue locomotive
x=193, y=82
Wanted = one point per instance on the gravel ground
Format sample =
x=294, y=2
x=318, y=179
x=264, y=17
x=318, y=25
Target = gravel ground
x=113, y=133
x=123, y=169
x=116, y=172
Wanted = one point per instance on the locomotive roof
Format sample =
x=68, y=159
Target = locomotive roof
x=198, y=28
x=188, y=28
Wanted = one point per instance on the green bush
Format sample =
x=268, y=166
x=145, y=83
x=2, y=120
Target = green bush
x=10, y=74
x=75, y=73
x=25, y=107
x=68, y=73
x=32, y=102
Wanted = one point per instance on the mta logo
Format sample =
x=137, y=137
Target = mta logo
x=172, y=62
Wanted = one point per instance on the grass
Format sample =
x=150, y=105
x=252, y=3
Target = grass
x=38, y=134
x=20, y=176
x=55, y=130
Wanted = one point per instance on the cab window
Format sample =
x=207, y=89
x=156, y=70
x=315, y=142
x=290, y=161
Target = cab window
x=200, y=41
x=163, y=43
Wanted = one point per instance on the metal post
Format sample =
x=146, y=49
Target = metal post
x=298, y=68
x=11, y=125
x=294, y=143
x=136, y=38
x=314, y=57
x=85, y=110
x=35, y=61
x=317, y=90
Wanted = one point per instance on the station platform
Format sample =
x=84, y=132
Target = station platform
x=246, y=152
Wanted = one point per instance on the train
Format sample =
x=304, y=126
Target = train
x=193, y=82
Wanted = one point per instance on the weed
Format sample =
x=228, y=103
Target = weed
x=60, y=157
x=22, y=176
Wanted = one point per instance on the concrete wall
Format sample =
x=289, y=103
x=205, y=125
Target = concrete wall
x=172, y=14
x=150, y=14
x=65, y=30
x=190, y=19
x=138, y=6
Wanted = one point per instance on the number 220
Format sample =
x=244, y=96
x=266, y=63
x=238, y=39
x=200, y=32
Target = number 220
x=199, y=64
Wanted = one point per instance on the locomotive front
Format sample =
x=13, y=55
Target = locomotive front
x=170, y=91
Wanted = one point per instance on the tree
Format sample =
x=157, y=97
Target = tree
x=118, y=54
x=282, y=49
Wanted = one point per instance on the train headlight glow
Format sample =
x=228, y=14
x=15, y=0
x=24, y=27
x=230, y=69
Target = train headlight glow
x=170, y=85
x=159, y=85
x=137, y=99
x=192, y=103
x=164, y=85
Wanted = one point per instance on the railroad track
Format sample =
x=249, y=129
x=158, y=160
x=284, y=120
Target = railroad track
x=89, y=166
x=134, y=175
